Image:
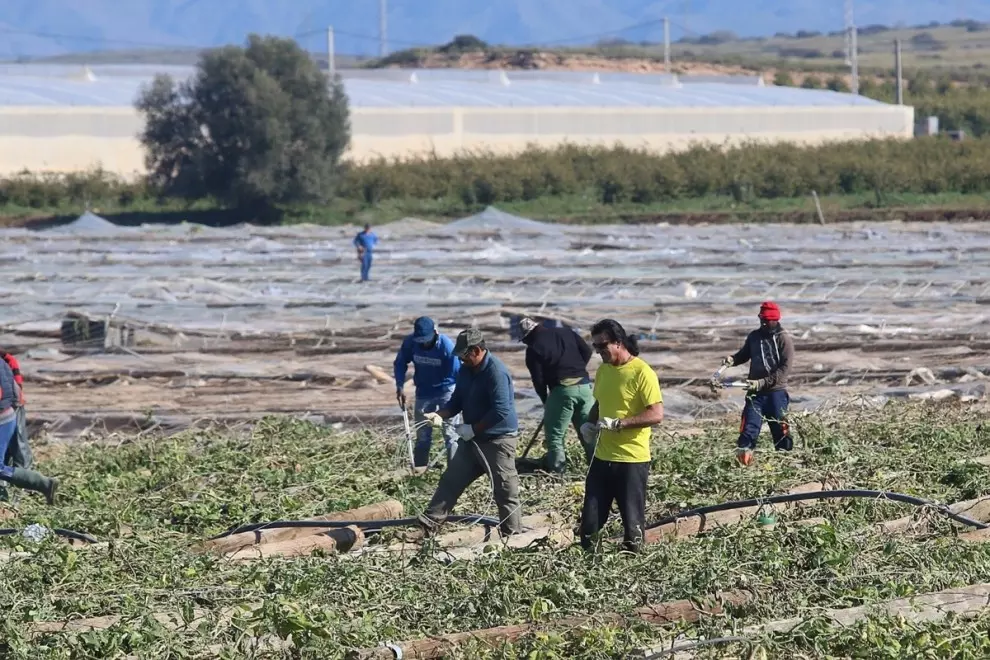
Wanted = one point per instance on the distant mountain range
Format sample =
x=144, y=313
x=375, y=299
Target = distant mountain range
x=39, y=28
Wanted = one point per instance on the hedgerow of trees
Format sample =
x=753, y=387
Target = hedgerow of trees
x=880, y=168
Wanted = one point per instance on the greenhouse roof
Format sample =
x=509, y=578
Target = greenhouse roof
x=118, y=86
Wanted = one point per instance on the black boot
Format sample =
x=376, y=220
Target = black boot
x=528, y=465
x=31, y=480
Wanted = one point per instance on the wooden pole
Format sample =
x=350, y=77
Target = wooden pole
x=386, y=510
x=343, y=539
x=964, y=602
x=818, y=207
x=662, y=614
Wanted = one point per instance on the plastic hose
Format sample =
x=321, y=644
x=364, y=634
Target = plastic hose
x=67, y=533
x=366, y=526
x=823, y=495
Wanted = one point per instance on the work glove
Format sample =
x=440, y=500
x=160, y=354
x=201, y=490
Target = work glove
x=433, y=419
x=589, y=432
x=400, y=396
x=609, y=423
x=752, y=385
x=727, y=361
x=466, y=432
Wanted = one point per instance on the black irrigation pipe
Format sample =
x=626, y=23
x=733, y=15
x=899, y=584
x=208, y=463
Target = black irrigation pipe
x=67, y=533
x=822, y=495
x=366, y=526
x=373, y=526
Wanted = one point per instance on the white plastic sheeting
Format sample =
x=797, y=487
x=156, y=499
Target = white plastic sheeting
x=861, y=280
x=695, y=290
x=119, y=86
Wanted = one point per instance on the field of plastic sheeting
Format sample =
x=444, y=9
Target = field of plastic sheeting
x=222, y=317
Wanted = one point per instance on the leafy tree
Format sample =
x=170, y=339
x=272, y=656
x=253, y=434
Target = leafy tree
x=783, y=79
x=869, y=87
x=254, y=127
x=837, y=84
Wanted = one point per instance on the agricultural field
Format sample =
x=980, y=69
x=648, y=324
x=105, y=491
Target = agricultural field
x=245, y=379
x=794, y=581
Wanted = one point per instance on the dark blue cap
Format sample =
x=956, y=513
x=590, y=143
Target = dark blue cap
x=423, y=330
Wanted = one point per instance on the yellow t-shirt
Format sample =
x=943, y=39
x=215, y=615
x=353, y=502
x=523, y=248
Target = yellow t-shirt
x=623, y=392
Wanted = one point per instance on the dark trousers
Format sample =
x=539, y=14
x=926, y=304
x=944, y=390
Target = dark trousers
x=624, y=483
x=771, y=406
x=472, y=460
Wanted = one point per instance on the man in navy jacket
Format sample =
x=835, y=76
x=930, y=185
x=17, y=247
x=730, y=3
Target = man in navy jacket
x=485, y=396
x=434, y=376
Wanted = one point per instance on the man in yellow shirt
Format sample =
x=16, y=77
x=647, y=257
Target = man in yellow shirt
x=628, y=401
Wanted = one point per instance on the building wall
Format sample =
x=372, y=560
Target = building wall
x=77, y=138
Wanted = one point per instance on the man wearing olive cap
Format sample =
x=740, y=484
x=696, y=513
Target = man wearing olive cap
x=436, y=367
x=485, y=397
x=770, y=353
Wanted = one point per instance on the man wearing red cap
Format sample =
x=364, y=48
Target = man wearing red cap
x=770, y=353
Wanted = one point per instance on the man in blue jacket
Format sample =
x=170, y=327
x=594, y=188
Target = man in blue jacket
x=485, y=396
x=365, y=242
x=434, y=376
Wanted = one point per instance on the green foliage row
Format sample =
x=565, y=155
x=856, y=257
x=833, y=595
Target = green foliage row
x=618, y=174
x=968, y=111
x=960, y=105
x=609, y=175
x=50, y=190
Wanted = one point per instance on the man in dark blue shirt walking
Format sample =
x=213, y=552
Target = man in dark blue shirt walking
x=365, y=242
x=485, y=397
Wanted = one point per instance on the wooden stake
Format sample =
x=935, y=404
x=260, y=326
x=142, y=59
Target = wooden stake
x=387, y=510
x=344, y=539
x=965, y=602
x=818, y=207
x=662, y=614
x=978, y=509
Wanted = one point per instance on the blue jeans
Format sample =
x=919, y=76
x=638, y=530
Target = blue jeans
x=424, y=434
x=7, y=432
x=366, y=266
x=771, y=406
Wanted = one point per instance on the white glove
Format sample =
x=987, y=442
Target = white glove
x=608, y=424
x=588, y=432
x=727, y=361
x=466, y=431
x=433, y=419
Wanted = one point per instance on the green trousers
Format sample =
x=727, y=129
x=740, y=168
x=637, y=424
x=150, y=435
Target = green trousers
x=565, y=406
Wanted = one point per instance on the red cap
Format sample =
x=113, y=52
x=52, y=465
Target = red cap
x=769, y=311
